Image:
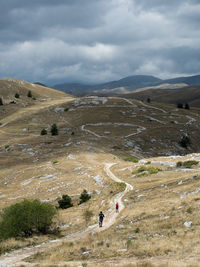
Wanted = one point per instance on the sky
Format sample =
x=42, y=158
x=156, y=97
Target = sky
x=95, y=41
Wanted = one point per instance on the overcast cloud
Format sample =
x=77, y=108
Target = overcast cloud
x=55, y=41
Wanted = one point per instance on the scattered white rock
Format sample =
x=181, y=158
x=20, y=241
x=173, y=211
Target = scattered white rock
x=120, y=226
x=188, y=224
x=122, y=250
x=70, y=156
x=59, y=109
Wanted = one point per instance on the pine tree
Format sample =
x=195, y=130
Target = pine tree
x=43, y=132
x=65, y=202
x=84, y=196
x=54, y=129
x=16, y=95
x=29, y=94
x=187, y=106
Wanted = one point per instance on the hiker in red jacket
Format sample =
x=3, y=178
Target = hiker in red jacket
x=117, y=207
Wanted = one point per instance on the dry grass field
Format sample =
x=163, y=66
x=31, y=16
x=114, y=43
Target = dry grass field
x=159, y=225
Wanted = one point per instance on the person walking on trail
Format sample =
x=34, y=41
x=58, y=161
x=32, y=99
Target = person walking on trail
x=101, y=217
x=117, y=207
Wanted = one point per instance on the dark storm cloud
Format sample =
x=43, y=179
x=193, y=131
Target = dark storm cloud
x=96, y=40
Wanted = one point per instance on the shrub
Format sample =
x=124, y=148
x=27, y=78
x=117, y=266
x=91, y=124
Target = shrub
x=153, y=170
x=66, y=109
x=190, y=163
x=187, y=106
x=29, y=94
x=148, y=100
x=137, y=230
x=179, y=164
x=16, y=95
x=179, y=105
x=131, y=158
x=54, y=129
x=185, y=141
x=1, y=102
x=84, y=197
x=43, y=132
x=25, y=218
x=65, y=202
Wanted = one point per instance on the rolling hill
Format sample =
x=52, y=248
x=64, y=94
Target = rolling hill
x=118, y=149
x=125, y=85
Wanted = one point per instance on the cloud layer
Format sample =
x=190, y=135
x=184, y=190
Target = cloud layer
x=53, y=41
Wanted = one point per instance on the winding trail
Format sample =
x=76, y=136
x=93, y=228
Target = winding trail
x=17, y=257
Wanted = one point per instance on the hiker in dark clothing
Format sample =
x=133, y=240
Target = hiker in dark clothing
x=101, y=216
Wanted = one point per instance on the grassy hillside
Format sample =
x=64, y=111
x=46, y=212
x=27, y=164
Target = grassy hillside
x=93, y=132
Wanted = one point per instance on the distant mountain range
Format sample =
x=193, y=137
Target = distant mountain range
x=127, y=85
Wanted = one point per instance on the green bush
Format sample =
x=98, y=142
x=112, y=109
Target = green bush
x=65, y=202
x=179, y=164
x=84, y=197
x=43, y=132
x=190, y=163
x=131, y=158
x=1, y=102
x=24, y=218
x=153, y=170
x=66, y=109
x=54, y=129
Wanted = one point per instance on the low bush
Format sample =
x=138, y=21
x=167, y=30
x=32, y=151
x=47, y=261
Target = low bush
x=131, y=158
x=190, y=163
x=84, y=197
x=65, y=202
x=16, y=95
x=43, y=132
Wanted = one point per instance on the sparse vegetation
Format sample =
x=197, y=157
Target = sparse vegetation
x=25, y=218
x=65, y=202
x=54, y=129
x=146, y=170
x=84, y=197
x=131, y=158
x=87, y=215
x=43, y=132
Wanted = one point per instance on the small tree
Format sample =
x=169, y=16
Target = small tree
x=1, y=102
x=185, y=141
x=54, y=129
x=148, y=100
x=179, y=105
x=29, y=94
x=25, y=218
x=65, y=202
x=43, y=132
x=16, y=95
x=187, y=106
x=84, y=197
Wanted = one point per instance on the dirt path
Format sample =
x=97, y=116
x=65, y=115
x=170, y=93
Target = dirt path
x=16, y=257
x=34, y=109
